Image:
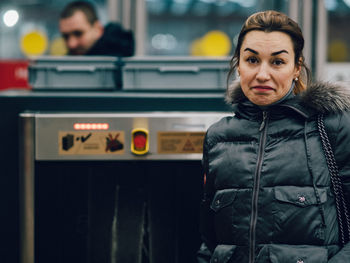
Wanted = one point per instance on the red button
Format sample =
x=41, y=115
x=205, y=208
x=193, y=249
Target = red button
x=140, y=141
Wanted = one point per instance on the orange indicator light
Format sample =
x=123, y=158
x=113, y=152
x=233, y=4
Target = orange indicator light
x=91, y=126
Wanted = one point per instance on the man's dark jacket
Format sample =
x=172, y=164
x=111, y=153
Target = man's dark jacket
x=268, y=196
x=115, y=41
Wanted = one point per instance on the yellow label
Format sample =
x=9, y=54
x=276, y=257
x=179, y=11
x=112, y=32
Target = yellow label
x=180, y=142
x=34, y=43
x=90, y=142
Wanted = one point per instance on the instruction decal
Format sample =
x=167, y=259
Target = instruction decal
x=180, y=142
x=90, y=142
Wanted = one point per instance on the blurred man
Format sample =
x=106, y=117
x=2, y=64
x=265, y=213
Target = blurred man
x=84, y=34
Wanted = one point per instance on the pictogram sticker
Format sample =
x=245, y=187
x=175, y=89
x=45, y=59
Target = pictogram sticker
x=180, y=142
x=113, y=144
x=188, y=147
x=90, y=142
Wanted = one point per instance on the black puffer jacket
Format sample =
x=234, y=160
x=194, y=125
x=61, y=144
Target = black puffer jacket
x=115, y=41
x=267, y=196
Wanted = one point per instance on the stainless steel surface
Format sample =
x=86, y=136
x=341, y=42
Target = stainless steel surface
x=47, y=127
x=139, y=26
x=294, y=10
x=322, y=45
x=26, y=187
x=307, y=28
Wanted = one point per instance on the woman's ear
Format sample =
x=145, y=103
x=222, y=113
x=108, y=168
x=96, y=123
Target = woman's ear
x=298, y=68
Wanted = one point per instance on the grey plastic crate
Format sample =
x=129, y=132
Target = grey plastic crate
x=175, y=73
x=75, y=73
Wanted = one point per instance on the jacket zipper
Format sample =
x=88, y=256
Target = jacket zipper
x=256, y=186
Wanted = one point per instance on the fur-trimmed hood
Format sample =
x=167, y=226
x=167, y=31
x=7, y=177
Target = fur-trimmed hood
x=320, y=97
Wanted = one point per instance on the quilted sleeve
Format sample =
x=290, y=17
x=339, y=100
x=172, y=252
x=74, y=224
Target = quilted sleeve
x=206, y=216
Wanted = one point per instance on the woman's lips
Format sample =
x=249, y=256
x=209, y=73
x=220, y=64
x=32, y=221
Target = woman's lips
x=262, y=88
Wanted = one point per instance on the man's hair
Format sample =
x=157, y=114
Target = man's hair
x=86, y=7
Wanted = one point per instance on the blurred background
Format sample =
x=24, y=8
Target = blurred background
x=182, y=28
x=162, y=28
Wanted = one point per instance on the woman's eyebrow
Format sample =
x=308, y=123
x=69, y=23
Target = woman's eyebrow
x=279, y=52
x=252, y=50
x=272, y=54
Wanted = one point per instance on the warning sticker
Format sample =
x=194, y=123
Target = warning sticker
x=180, y=142
x=90, y=142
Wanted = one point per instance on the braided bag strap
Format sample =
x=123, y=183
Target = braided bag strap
x=341, y=206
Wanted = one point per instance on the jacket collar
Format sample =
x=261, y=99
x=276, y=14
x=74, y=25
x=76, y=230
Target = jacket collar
x=321, y=97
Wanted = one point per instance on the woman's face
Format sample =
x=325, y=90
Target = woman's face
x=266, y=66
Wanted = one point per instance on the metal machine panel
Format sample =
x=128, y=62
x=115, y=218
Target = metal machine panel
x=109, y=136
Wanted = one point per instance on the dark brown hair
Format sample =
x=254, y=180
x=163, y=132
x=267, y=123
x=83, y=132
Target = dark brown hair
x=86, y=7
x=269, y=21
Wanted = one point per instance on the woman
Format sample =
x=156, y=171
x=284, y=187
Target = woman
x=267, y=193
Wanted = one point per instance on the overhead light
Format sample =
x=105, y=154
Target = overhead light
x=182, y=1
x=247, y=3
x=331, y=5
x=156, y=7
x=10, y=18
x=208, y=1
x=179, y=8
x=347, y=2
x=164, y=41
x=244, y=3
x=201, y=9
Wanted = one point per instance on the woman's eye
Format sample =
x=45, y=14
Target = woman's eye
x=252, y=60
x=278, y=62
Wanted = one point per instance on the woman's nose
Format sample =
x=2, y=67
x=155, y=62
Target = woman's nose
x=263, y=73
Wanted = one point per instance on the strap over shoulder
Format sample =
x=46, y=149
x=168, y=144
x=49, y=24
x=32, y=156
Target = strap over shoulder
x=341, y=205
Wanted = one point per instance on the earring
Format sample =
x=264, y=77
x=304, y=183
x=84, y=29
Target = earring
x=296, y=79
